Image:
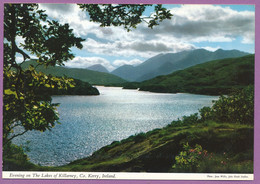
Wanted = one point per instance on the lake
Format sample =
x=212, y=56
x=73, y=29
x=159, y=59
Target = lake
x=91, y=122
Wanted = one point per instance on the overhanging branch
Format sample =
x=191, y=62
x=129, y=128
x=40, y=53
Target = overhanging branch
x=8, y=140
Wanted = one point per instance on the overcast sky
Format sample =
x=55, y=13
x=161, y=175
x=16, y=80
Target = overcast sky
x=192, y=26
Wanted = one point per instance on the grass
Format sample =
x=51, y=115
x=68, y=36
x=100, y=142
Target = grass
x=155, y=150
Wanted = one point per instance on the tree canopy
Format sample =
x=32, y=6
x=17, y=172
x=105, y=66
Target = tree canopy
x=24, y=104
x=125, y=15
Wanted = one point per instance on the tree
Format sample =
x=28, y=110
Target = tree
x=125, y=15
x=25, y=105
x=237, y=107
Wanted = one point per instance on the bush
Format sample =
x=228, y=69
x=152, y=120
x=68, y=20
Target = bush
x=237, y=107
x=139, y=137
x=14, y=159
x=176, y=123
x=189, y=160
x=199, y=160
x=191, y=119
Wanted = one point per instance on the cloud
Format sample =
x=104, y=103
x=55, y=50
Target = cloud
x=150, y=46
x=134, y=62
x=19, y=58
x=71, y=14
x=58, y=8
x=19, y=40
x=134, y=48
x=196, y=23
x=85, y=62
x=212, y=49
x=191, y=24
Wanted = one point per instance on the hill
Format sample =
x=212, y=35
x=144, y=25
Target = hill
x=156, y=150
x=163, y=64
x=79, y=88
x=213, y=78
x=85, y=75
x=126, y=72
x=98, y=68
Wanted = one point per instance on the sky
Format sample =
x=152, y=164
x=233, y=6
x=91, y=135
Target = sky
x=210, y=27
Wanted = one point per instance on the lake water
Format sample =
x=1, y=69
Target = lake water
x=91, y=122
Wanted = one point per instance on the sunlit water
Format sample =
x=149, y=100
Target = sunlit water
x=91, y=122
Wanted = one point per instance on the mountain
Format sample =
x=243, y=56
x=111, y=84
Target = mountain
x=98, y=68
x=163, y=64
x=126, y=72
x=212, y=78
x=85, y=75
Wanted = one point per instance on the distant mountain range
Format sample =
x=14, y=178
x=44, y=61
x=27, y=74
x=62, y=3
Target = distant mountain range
x=98, y=68
x=85, y=75
x=163, y=64
x=211, y=78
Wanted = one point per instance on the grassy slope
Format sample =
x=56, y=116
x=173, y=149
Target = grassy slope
x=213, y=78
x=85, y=75
x=154, y=151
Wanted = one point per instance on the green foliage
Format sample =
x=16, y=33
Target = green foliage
x=140, y=137
x=25, y=104
x=217, y=77
x=50, y=42
x=206, y=113
x=190, y=158
x=176, y=123
x=197, y=160
x=14, y=159
x=130, y=85
x=192, y=119
x=15, y=152
x=85, y=75
x=77, y=87
x=125, y=15
x=237, y=107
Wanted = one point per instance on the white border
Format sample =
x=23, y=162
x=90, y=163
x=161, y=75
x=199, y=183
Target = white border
x=125, y=176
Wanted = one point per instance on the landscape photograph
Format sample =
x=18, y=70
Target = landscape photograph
x=128, y=88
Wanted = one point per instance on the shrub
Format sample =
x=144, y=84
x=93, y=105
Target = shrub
x=206, y=114
x=189, y=159
x=237, y=107
x=176, y=123
x=191, y=119
x=199, y=160
x=139, y=137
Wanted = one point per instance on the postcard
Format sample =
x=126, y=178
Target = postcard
x=129, y=92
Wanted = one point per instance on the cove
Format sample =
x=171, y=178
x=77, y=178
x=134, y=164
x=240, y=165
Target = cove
x=91, y=122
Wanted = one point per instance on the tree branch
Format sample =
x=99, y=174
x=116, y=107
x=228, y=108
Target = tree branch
x=25, y=56
x=8, y=140
x=15, y=125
